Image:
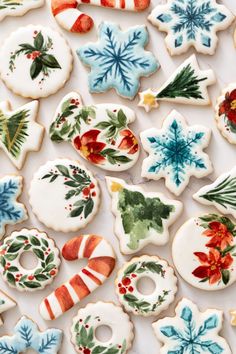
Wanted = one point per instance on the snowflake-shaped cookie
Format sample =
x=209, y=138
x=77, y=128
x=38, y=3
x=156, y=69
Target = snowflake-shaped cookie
x=27, y=336
x=175, y=152
x=191, y=23
x=191, y=331
x=118, y=59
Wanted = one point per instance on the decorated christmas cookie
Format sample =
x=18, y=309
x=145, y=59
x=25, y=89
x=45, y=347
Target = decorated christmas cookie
x=37, y=56
x=68, y=15
x=118, y=59
x=101, y=262
x=11, y=211
x=191, y=23
x=74, y=195
x=140, y=217
x=221, y=194
x=42, y=247
x=94, y=316
x=187, y=85
x=19, y=133
x=176, y=152
x=27, y=336
x=226, y=113
x=100, y=132
x=6, y=303
x=159, y=272
x=17, y=7
x=210, y=256
x=191, y=331
x=233, y=317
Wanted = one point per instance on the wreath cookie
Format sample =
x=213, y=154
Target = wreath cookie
x=157, y=270
x=29, y=240
x=88, y=319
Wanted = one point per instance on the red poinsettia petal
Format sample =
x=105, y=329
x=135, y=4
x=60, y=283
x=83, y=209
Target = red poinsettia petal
x=126, y=143
x=95, y=147
x=209, y=233
x=95, y=158
x=90, y=136
x=214, y=242
x=201, y=272
x=126, y=132
x=77, y=142
x=232, y=115
x=203, y=258
x=226, y=261
x=133, y=150
x=232, y=95
x=215, y=276
x=215, y=225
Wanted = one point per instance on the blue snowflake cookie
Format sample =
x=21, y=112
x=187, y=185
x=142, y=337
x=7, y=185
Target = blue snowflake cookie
x=176, y=152
x=118, y=59
x=191, y=23
x=27, y=336
x=191, y=331
x=11, y=211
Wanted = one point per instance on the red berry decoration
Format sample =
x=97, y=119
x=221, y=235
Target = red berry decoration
x=126, y=281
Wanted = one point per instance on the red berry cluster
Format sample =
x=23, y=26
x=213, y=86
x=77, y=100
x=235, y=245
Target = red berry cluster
x=87, y=191
x=35, y=54
x=75, y=101
x=125, y=285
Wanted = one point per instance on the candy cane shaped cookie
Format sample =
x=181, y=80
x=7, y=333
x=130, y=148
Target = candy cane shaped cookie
x=69, y=17
x=101, y=262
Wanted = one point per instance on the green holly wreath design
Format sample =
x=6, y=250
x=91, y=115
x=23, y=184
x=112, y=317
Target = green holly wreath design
x=46, y=269
x=4, y=4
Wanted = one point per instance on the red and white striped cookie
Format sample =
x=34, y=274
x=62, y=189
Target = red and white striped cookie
x=101, y=262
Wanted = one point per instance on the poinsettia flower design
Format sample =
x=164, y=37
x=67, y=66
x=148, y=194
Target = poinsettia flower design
x=128, y=142
x=212, y=265
x=228, y=106
x=220, y=235
x=89, y=146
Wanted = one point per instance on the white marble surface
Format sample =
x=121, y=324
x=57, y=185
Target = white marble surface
x=221, y=152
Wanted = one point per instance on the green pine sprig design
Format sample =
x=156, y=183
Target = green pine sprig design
x=114, y=125
x=4, y=4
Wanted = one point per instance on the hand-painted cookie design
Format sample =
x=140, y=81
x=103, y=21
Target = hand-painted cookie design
x=11, y=211
x=44, y=249
x=99, y=314
x=226, y=113
x=210, y=255
x=191, y=23
x=19, y=133
x=74, y=195
x=27, y=336
x=165, y=285
x=6, y=303
x=68, y=15
x=187, y=85
x=221, y=193
x=140, y=217
x=40, y=57
x=191, y=331
x=100, y=132
x=17, y=7
x=118, y=59
x=233, y=317
x=176, y=152
x=101, y=262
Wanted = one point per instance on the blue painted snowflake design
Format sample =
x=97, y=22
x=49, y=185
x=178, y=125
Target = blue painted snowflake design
x=191, y=331
x=28, y=336
x=11, y=212
x=191, y=23
x=118, y=60
x=175, y=152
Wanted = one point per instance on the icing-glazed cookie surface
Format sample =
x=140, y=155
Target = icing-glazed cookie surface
x=208, y=261
x=159, y=272
x=99, y=314
x=99, y=133
x=17, y=7
x=74, y=195
x=140, y=217
x=6, y=303
x=40, y=57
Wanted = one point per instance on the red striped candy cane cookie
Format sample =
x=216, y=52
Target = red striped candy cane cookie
x=101, y=262
x=69, y=17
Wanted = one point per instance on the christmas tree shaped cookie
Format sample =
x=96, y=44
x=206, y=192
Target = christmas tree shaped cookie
x=140, y=217
x=187, y=85
x=6, y=303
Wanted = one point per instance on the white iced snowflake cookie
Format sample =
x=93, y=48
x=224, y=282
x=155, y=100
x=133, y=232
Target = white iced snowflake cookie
x=37, y=56
x=38, y=243
x=221, y=193
x=140, y=217
x=208, y=261
x=191, y=331
x=19, y=133
x=159, y=272
x=191, y=23
x=176, y=152
x=99, y=133
x=17, y=7
x=187, y=85
x=99, y=314
x=64, y=195
x=6, y=303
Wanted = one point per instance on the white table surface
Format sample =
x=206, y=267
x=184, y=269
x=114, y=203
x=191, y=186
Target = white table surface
x=221, y=153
